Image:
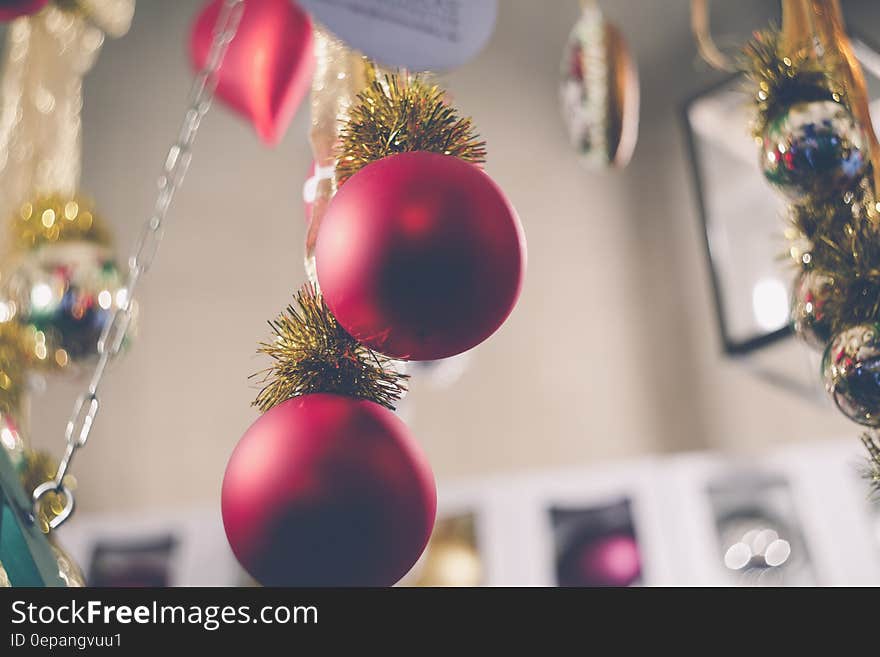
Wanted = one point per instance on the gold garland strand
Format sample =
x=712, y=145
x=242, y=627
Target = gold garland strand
x=55, y=218
x=399, y=114
x=782, y=77
x=836, y=238
x=312, y=353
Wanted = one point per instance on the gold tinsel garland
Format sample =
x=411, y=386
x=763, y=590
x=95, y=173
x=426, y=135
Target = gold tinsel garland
x=398, y=114
x=55, y=218
x=312, y=353
x=840, y=237
x=12, y=367
x=782, y=78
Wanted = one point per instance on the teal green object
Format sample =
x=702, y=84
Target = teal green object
x=25, y=551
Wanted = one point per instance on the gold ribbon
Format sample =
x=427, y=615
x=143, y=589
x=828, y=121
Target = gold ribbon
x=46, y=57
x=340, y=73
x=706, y=45
x=828, y=28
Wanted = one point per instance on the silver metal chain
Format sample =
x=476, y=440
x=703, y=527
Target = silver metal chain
x=82, y=419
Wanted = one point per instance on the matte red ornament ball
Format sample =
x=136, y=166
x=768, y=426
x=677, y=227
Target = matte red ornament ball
x=420, y=256
x=326, y=490
x=11, y=9
x=268, y=65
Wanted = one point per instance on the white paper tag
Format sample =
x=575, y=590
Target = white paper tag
x=420, y=35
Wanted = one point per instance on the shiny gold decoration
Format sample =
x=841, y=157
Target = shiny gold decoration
x=54, y=218
x=45, y=59
x=840, y=237
x=401, y=113
x=783, y=78
x=452, y=557
x=37, y=468
x=13, y=361
x=312, y=353
x=340, y=73
x=13, y=386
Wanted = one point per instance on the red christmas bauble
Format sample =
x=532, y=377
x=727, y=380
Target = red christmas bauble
x=420, y=256
x=268, y=66
x=326, y=490
x=11, y=9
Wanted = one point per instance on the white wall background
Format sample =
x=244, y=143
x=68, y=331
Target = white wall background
x=612, y=352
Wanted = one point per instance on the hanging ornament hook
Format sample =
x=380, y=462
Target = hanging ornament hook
x=706, y=45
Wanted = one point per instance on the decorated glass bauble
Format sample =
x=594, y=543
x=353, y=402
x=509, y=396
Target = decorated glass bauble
x=326, y=490
x=64, y=294
x=420, y=256
x=813, y=148
x=811, y=323
x=599, y=92
x=851, y=371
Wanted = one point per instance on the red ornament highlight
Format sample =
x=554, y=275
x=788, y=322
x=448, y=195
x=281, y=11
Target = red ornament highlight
x=420, y=256
x=268, y=67
x=12, y=9
x=326, y=490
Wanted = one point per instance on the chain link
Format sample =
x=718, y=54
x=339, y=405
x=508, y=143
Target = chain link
x=85, y=410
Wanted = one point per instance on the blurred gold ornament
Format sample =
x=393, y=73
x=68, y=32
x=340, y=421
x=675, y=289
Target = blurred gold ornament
x=451, y=563
x=399, y=114
x=37, y=468
x=452, y=557
x=13, y=384
x=313, y=353
x=53, y=218
x=46, y=56
x=4, y=578
x=13, y=361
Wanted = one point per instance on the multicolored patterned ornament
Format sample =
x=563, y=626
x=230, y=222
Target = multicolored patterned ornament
x=599, y=92
x=812, y=290
x=851, y=371
x=64, y=286
x=813, y=148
